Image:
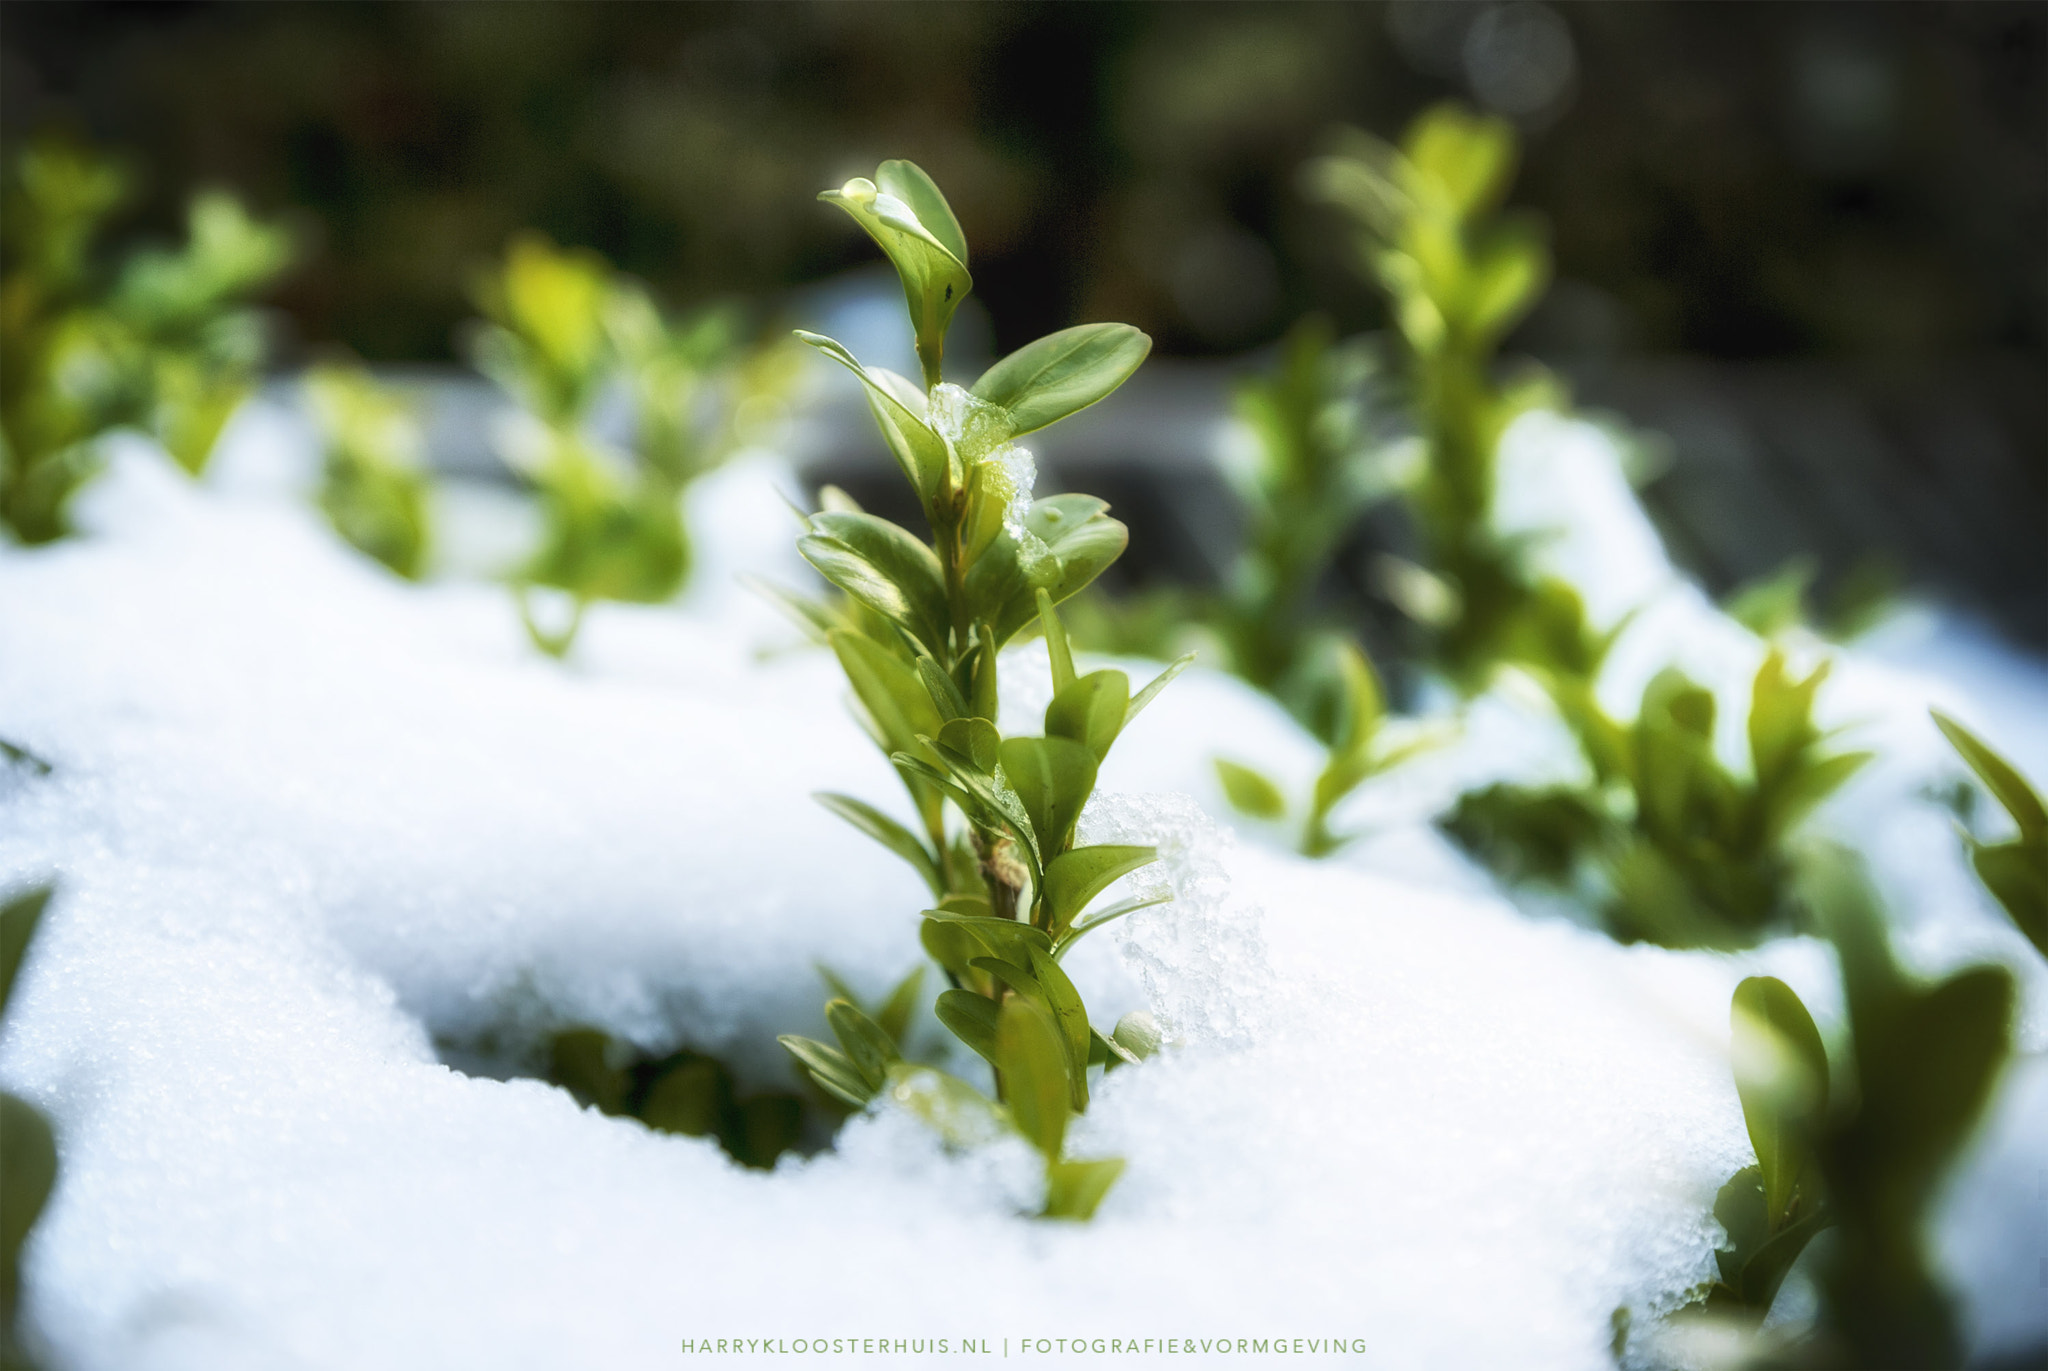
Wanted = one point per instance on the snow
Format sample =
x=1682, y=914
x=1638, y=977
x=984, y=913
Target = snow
x=310, y=821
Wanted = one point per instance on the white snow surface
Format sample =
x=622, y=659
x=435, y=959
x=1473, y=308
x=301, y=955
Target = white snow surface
x=307, y=819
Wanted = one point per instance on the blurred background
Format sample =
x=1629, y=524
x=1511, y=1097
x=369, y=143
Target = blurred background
x=1804, y=243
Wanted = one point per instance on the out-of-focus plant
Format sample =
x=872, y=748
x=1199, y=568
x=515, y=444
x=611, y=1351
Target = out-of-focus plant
x=28, y=1150
x=1459, y=274
x=1364, y=742
x=374, y=482
x=2015, y=869
x=561, y=331
x=1781, y=601
x=918, y=638
x=1866, y=1159
x=1672, y=846
x=683, y=1092
x=168, y=344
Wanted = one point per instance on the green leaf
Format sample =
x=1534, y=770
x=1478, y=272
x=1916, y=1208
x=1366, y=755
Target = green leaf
x=1011, y=974
x=2016, y=873
x=908, y=183
x=949, y=945
x=889, y=688
x=867, y=1044
x=924, y=456
x=2003, y=780
x=885, y=568
x=1158, y=683
x=946, y=696
x=1078, y=875
x=690, y=1098
x=1071, y=1017
x=976, y=740
x=972, y=1019
x=1075, y=1189
x=1109, y=914
x=1006, y=938
x=1053, y=778
x=1505, y=277
x=1107, y=1052
x=1056, y=644
x=985, y=807
x=961, y=1115
x=18, y=920
x=1062, y=373
x=1781, y=1074
x=1249, y=792
x=25, y=1183
x=1090, y=711
x=584, y=1062
x=935, y=278
x=1034, y=1066
x=830, y=1068
x=888, y=833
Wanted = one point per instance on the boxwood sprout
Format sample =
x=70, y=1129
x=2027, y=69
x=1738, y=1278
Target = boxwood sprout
x=1865, y=1156
x=561, y=330
x=918, y=636
x=373, y=485
x=169, y=344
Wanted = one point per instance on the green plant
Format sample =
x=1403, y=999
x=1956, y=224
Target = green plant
x=26, y=1143
x=561, y=330
x=2015, y=870
x=374, y=485
x=1458, y=274
x=1362, y=745
x=169, y=345
x=1674, y=848
x=1780, y=601
x=1866, y=1159
x=918, y=637
x=685, y=1092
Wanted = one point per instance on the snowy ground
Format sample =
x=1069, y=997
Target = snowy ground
x=307, y=820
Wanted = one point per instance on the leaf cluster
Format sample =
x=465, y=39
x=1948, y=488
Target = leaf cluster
x=1865, y=1156
x=165, y=341
x=2016, y=869
x=373, y=483
x=1458, y=274
x=561, y=332
x=1678, y=849
x=917, y=634
x=684, y=1092
x=26, y=1142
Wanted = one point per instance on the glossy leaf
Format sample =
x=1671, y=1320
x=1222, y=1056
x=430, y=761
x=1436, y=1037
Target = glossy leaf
x=1090, y=711
x=18, y=920
x=2003, y=780
x=1052, y=778
x=1062, y=373
x=884, y=568
x=1056, y=647
x=1034, y=1067
x=834, y=1073
x=867, y=1045
x=1076, y=1189
x=1007, y=938
x=976, y=740
x=1781, y=1074
x=888, y=688
x=908, y=182
x=923, y=455
x=1071, y=1017
x=1155, y=685
x=1249, y=792
x=972, y=1019
x=887, y=832
x=1078, y=875
x=945, y=695
x=935, y=279
x=1107, y=914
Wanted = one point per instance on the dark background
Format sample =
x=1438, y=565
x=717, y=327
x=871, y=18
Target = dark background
x=1807, y=240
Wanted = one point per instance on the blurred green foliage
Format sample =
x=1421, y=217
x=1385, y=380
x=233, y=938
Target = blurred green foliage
x=678, y=1092
x=26, y=1142
x=562, y=332
x=1865, y=1156
x=917, y=635
x=2014, y=869
x=374, y=481
x=165, y=342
